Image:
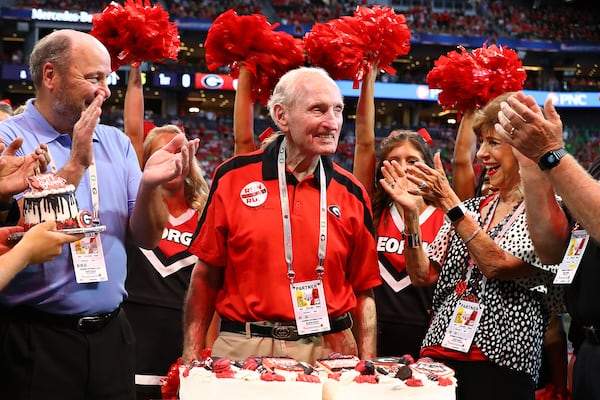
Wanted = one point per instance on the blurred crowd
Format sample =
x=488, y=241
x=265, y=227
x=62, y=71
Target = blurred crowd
x=215, y=133
x=501, y=18
x=493, y=18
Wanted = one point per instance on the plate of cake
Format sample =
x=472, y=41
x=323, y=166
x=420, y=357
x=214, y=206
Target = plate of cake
x=51, y=198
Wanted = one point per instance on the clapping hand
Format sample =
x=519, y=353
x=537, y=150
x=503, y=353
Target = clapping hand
x=523, y=124
x=395, y=182
x=82, y=153
x=432, y=184
x=167, y=163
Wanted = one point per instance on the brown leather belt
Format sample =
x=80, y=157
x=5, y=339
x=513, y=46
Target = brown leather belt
x=282, y=330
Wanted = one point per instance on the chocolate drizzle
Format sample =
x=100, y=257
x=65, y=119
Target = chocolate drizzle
x=60, y=207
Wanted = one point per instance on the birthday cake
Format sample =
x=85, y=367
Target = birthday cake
x=336, y=378
x=50, y=198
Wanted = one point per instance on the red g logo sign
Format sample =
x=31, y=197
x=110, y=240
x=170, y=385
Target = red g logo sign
x=85, y=219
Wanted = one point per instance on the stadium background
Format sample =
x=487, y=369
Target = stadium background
x=557, y=40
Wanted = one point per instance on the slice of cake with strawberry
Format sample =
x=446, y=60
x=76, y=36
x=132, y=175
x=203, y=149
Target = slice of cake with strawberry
x=50, y=198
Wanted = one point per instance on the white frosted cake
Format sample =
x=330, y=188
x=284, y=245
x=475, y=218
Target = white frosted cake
x=290, y=380
x=202, y=384
x=50, y=198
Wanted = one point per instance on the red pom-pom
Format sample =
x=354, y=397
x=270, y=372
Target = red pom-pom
x=251, y=39
x=470, y=80
x=348, y=47
x=136, y=32
x=169, y=386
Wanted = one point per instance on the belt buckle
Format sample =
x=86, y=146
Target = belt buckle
x=86, y=324
x=81, y=324
x=284, y=332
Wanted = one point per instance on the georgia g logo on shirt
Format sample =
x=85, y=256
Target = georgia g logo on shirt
x=254, y=194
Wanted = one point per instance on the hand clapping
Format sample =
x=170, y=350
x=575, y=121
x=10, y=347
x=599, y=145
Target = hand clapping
x=167, y=162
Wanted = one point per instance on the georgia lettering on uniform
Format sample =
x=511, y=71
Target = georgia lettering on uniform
x=393, y=245
x=174, y=235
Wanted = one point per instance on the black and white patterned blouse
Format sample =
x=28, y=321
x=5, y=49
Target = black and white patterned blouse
x=515, y=316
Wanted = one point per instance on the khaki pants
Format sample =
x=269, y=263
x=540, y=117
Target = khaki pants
x=236, y=346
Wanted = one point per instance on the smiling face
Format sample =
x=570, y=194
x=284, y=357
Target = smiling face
x=312, y=121
x=81, y=79
x=498, y=159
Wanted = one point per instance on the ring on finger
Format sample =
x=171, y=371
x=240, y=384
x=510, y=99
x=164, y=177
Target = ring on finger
x=512, y=131
x=422, y=185
x=392, y=184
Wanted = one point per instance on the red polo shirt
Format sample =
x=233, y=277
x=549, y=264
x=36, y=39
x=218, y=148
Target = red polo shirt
x=241, y=230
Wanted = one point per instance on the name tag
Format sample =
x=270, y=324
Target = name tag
x=570, y=263
x=464, y=322
x=310, y=308
x=88, y=259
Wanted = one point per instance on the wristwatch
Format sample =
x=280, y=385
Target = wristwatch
x=412, y=240
x=551, y=159
x=456, y=213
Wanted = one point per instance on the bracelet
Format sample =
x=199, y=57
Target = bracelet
x=412, y=240
x=472, y=235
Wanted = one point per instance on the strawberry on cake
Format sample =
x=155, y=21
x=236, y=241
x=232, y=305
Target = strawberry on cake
x=336, y=378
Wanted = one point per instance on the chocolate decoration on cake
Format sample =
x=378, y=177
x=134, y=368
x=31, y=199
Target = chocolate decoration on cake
x=50, y=198
x=403, y=373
